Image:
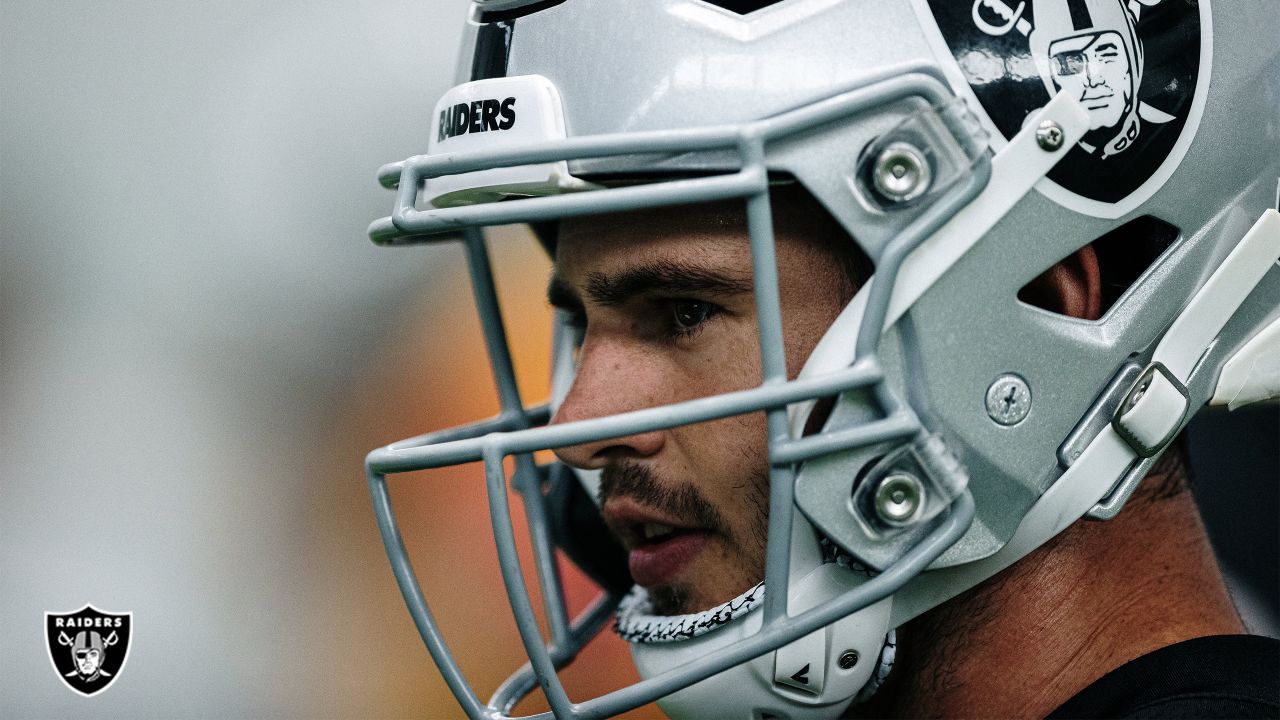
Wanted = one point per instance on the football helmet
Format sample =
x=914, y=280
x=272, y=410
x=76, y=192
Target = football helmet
x=966, y=147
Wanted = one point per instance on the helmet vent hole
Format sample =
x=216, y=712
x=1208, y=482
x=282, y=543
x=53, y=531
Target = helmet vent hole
x=1123, y=257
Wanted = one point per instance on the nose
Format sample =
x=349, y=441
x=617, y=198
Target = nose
x=610, y=380
x=1092, y=73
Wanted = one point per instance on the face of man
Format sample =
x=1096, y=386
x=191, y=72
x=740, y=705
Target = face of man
x=1095, y=70
x=665, y=304
x=87, y=661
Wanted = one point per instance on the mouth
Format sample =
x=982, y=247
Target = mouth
x=659, y=561
x=1096, y=102
x=660, y=548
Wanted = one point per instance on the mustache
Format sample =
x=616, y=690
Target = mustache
x=640, y=483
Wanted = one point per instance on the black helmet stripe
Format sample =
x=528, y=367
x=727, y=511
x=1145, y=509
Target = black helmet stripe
x=493, y=39
x=493, y=46
x=1080, y=17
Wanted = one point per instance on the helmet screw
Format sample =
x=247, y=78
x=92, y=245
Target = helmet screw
x=901, y=173
x=848, y=659
x=1049, y=136
x=1008, y=399
x=1136, y=395
x=899, y=499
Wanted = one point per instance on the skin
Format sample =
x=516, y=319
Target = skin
x=712, y=475
x=1018, y=645
x=1095, y=597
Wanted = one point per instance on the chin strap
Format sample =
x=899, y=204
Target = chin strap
x=636, y=623
x=1157, y=405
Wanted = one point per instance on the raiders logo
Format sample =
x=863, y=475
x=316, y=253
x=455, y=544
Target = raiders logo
x=1140, y=68
x=88, y=647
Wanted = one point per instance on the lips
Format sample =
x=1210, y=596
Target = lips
x=658, y=563
x=660, y=547
x=1104, y=96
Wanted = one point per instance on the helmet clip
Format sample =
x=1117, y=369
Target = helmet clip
x=908, y=487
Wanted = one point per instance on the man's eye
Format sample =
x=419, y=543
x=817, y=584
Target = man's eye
x=687, y=316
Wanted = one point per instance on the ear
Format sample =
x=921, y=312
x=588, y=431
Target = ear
x=1072, y=287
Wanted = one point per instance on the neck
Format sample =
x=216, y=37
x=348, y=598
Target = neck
x=1092, y=599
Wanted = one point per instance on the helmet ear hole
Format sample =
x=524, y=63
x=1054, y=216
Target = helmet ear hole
x=1119, y=259
x=1072, y=287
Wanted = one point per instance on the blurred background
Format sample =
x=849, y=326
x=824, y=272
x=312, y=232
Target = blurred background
x=198, y=345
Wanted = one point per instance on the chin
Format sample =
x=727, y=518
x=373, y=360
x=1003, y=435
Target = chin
x=672, y=600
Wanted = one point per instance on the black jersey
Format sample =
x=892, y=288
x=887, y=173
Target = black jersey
x=1224, y=676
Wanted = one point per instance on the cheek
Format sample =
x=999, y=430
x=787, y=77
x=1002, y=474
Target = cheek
x=1122, y=81
x=724, y=457
x=724, y=358
x=803, y=329
x=725, y=447
x=1069, y=82
x=812, y=290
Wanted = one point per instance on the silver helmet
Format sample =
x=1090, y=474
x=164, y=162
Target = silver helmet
x=965, y=147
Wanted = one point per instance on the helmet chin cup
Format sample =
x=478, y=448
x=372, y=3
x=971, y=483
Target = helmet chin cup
x=816, y=676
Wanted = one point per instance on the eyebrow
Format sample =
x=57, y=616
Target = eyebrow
x=1104, y=47
x=652, y=277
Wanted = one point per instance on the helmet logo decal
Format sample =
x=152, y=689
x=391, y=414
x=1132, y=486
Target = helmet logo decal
x=476, y=117
x=480, y=116
x=88, y=647
x=1138, y=67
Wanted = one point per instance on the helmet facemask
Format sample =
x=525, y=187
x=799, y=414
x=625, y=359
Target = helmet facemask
x=933, y=126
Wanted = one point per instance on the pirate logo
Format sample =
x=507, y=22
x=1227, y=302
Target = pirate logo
x=88, y=648
x=1139, y=68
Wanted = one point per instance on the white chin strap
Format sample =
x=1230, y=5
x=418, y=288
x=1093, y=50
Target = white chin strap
x=636, y=623
x=807, y=679
x=817, y=676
